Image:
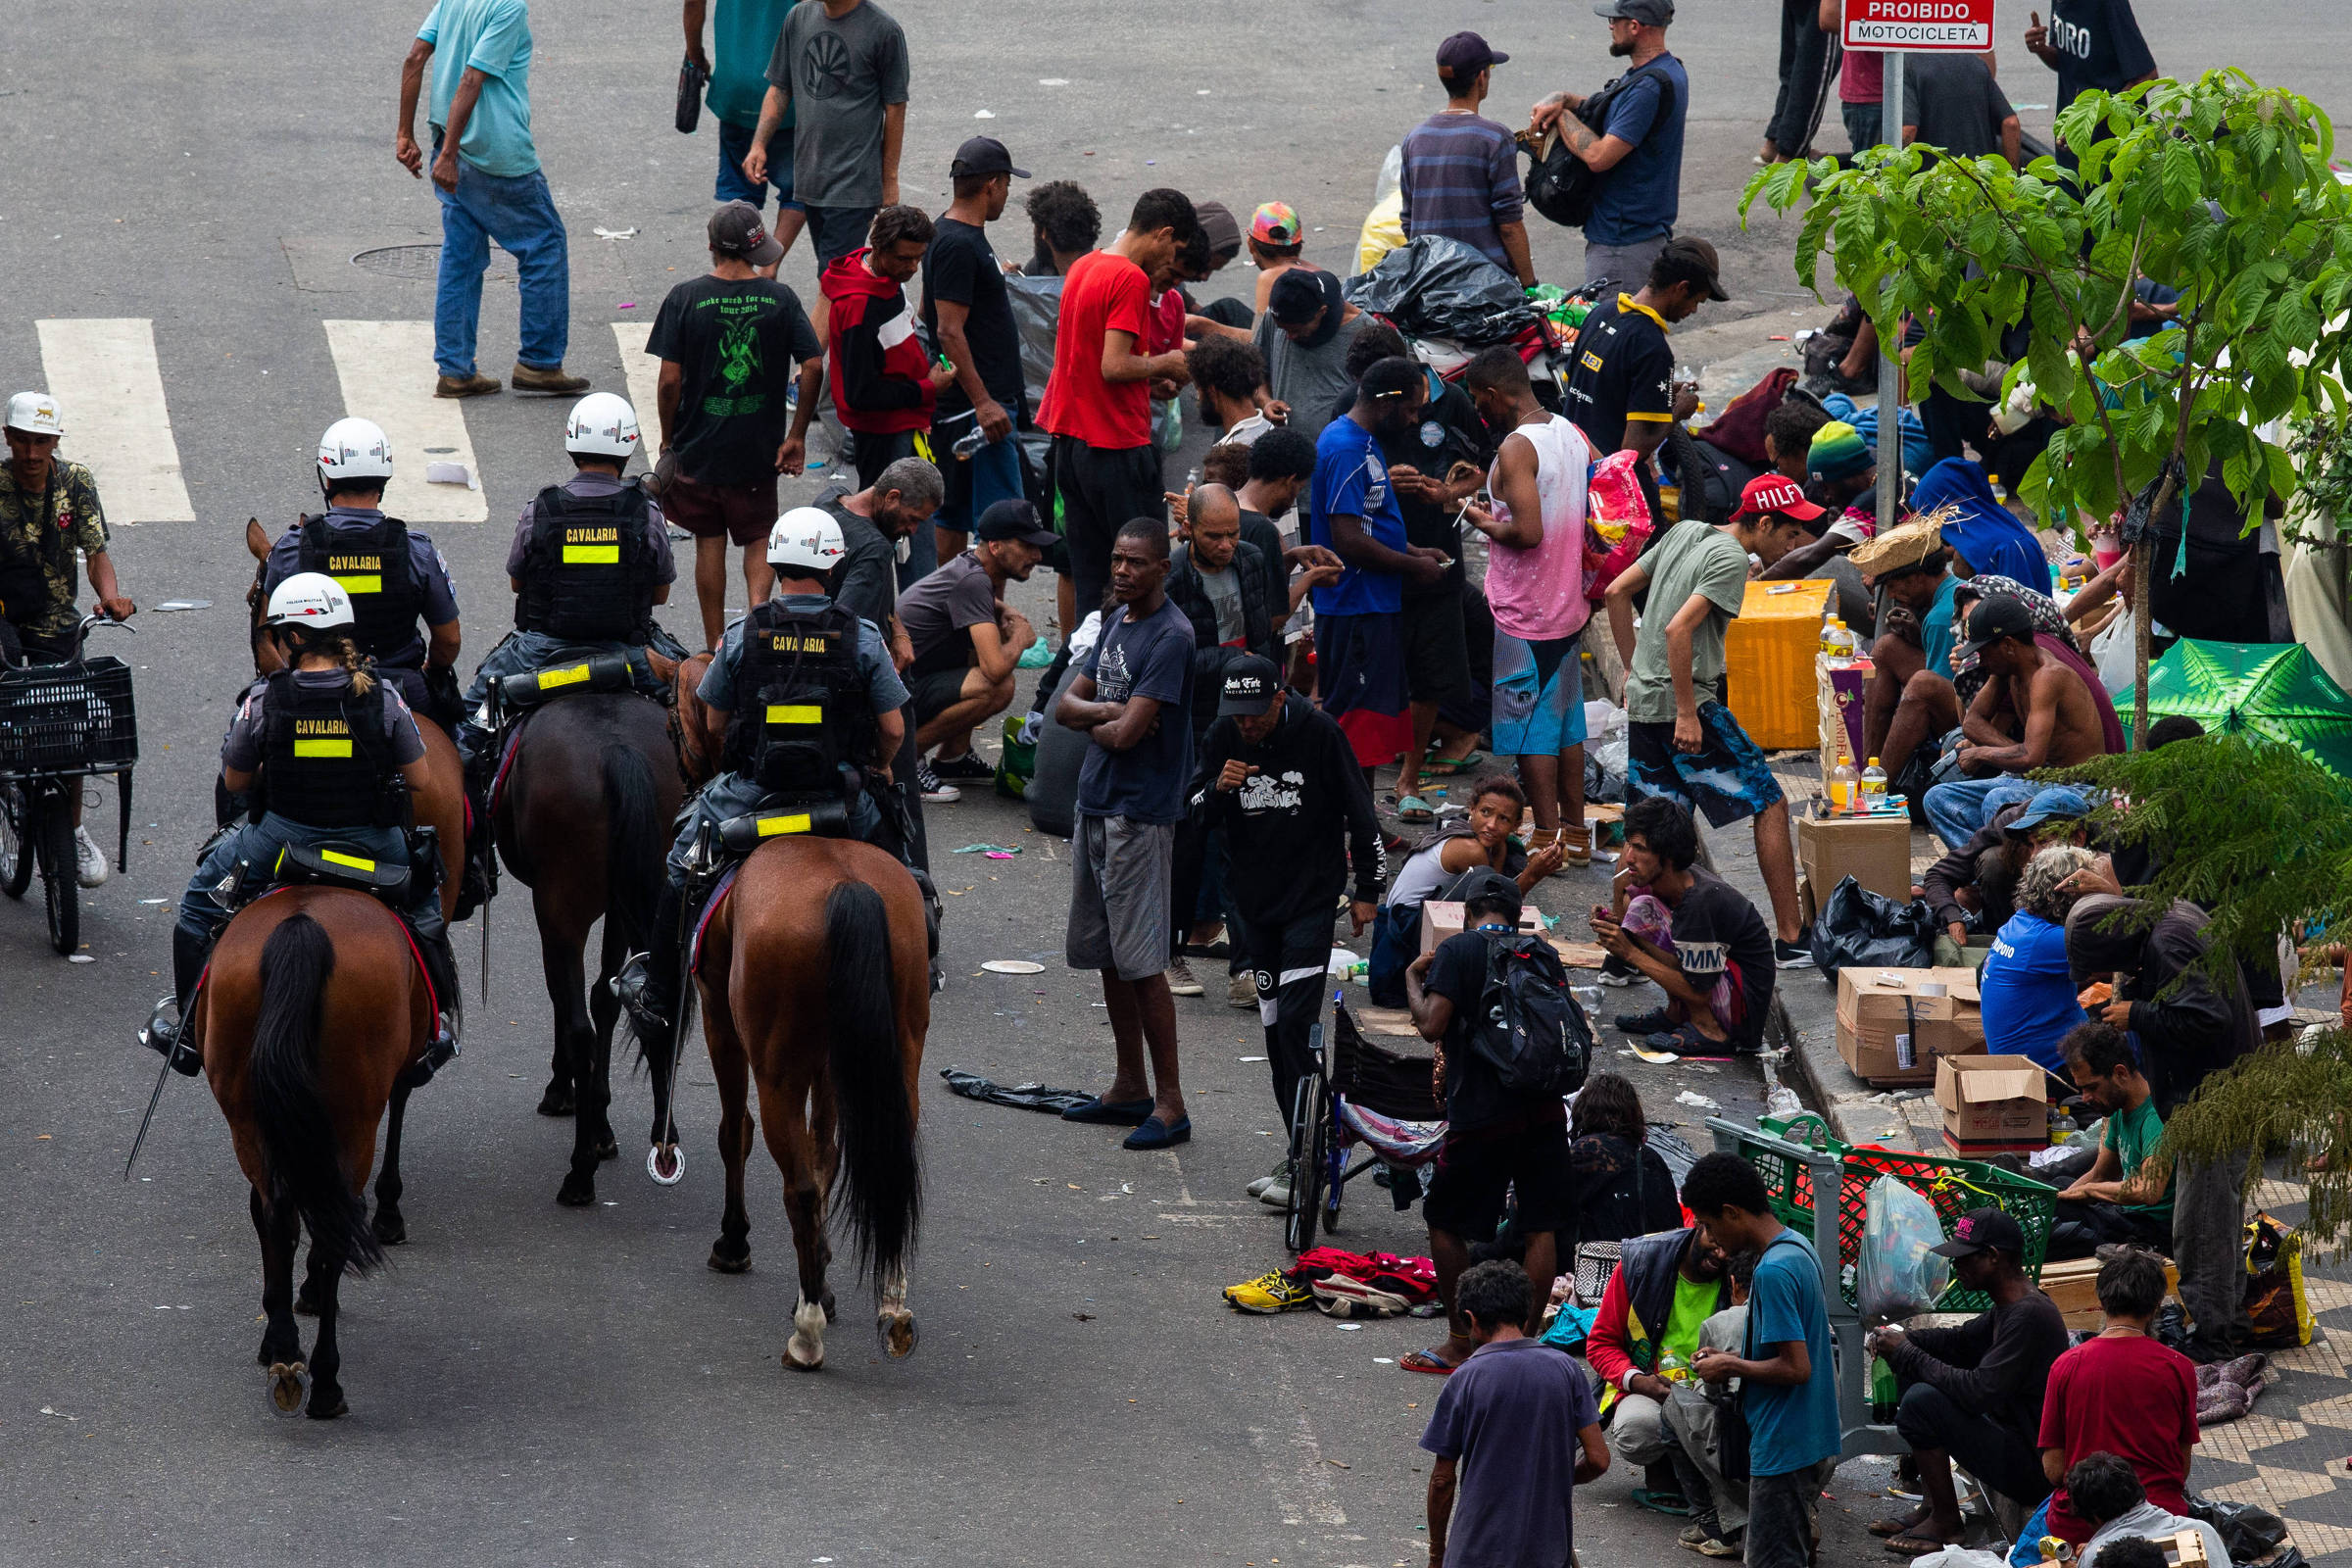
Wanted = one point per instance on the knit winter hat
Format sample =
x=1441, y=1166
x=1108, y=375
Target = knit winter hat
x=1838, y=452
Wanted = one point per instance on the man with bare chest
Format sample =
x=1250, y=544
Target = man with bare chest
x=2034, y=712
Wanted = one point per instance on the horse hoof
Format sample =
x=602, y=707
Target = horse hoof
x=289, y=1383
x=577, y=1192
x=391, y=1230
x=325, y=1405
x=556, y=1101
x=666, y=1163
x=608, y=1147
x=792, y=1359
x=723, y=1263
x=897, y=1334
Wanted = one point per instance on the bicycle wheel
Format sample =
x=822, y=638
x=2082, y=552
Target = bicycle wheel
x=15, y=844
x=1310, y=1138
x=52, y=833
x=1334, y=1167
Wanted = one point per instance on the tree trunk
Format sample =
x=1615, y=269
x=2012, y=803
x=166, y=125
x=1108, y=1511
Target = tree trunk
x=2143, y=580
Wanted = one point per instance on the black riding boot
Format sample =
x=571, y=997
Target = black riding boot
x=481, y=767
x=441, y=969
x=648, y=984
x=162, y=1034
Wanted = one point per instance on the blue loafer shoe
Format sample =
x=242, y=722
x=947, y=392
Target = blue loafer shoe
x=1157, y=1133
x=1110, y=1113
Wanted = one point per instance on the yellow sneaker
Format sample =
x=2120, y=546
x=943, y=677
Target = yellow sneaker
x=1268, y=1294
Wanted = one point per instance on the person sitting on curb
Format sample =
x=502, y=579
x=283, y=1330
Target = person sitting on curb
x=1972, y=1394
x=1497, y=1142
x=2120, y=1395
x=1909, y=701
x=1644, y=1336
x=2034, y=710
x=1970, y=894
x=2109, y=1496
x=1512, y=1432
x=2027, y=993
x=1694, y=934
x=968, y=642
x=1718, y=1506
x=2126, y=1195
x=1485, y=837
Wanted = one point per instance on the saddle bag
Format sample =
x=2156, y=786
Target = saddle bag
x=606, y=673
x=827, y=818
x=339, y=866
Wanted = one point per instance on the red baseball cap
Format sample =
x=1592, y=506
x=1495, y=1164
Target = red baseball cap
x=1777, y=492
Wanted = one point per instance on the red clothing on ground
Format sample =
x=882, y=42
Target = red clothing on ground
x=1103, y=292
x=2129, y=1397
x=880, y=374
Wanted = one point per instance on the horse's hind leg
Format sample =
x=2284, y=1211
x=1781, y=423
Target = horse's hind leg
x=327, y=1389
x=561, y=956
x=731, y=1253
x=390, y=1228
x=281, y=1339
x=791, y=1142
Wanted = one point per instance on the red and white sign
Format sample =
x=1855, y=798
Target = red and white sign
x=1918, y=24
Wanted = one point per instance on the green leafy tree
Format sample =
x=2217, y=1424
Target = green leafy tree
x=2220, y=188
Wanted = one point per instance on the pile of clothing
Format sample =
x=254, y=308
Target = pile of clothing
x=1341, y=1284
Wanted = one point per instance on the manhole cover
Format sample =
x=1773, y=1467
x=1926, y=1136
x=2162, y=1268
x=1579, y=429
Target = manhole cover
x=421, y=264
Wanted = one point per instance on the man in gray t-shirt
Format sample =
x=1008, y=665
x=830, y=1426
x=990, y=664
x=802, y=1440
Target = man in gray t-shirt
x=1305, y=335
x=841, y=66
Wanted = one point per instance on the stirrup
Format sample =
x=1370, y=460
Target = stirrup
x=437, y=1056
x=162, y=1036
x=628, y=985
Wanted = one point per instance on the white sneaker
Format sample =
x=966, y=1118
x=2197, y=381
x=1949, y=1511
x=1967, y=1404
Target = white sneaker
x=1242, y=991
x=89, y=860
x=1180, y=979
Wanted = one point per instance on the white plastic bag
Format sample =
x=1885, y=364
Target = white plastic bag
x=1898, y=1277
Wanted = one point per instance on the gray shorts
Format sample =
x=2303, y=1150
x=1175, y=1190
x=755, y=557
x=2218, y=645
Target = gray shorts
x=1123, y=897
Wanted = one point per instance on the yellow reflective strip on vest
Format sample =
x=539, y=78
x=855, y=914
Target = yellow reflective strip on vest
x=796, y=714
x=562, y=677
x=770, y=826
x=323, y=748
x=331, y=857
x=360, y=585
x=592, y=555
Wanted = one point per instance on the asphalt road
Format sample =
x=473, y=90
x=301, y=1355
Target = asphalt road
x=532, y=1383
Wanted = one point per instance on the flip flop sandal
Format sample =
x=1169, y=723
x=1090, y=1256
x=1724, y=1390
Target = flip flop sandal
x=1642, y=1025
x=1886, y=1528
x=1414, y=808
x=1448, y=767
x=1425, y=1361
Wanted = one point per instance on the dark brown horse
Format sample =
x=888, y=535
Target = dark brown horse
x=816, y=981
x=583, y=817
x=310, y=1013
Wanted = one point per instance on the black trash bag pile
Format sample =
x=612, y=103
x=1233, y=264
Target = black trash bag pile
x=1858, y=927
x=2251, y=1533
x=1435, y=286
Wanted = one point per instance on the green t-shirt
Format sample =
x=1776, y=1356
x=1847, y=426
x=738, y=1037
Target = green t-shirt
x=1694, y=1302
x=742, y=38
x=2132, y=1135
x=1695, y=558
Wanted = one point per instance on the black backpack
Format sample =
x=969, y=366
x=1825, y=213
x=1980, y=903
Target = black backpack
x=1563, y=187
x=1529, y=1028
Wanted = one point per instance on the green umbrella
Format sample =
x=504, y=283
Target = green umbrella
x=2277, y=690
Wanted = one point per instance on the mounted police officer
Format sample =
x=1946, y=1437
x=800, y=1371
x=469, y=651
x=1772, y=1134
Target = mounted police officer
x=335, y=746
x=810, y=702
x=394, y=576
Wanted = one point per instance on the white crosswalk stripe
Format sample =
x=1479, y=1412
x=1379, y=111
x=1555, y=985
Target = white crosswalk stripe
x=386, y=369
x=645, y=377
x=110, y=394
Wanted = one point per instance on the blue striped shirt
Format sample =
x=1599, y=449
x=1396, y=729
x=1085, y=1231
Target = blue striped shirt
x=1461, y=180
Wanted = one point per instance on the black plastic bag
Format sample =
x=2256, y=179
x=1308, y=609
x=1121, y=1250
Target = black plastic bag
x=2250, y=1533
x=1440, y=287
x=692, y=80
x=1858, y=927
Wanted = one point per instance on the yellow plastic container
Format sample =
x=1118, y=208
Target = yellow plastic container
x=1769, y=656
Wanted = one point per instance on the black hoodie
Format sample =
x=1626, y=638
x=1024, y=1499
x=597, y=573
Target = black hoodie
x=1292, y=830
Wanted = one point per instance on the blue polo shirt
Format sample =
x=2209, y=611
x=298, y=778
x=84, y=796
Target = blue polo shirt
x=493, y=37
x=1351, y=479
x=1640, y=198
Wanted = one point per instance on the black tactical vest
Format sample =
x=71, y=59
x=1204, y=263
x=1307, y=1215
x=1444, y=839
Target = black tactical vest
x=376, y=570
x=801, y=708
x=588, y=573
x=327, y=758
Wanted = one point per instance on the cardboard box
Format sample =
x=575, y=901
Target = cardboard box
x=1874, y=851
x=2074, y=1286
x=1440, y=920
x=1877, y=1008
x=1769, y=656
x=1992, y=1104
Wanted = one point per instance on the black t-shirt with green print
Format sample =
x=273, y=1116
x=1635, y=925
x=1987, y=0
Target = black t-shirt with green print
x=739, y=344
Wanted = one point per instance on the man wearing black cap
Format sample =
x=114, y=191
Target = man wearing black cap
x=1279, y=778
x=1972, y=1394
x=1620, y=391
x=2033, y=711
x=968, y=641
x=1304, y=336
x=727, y=343
x=1637, y=146
x=969, y=318
x=1461, y=170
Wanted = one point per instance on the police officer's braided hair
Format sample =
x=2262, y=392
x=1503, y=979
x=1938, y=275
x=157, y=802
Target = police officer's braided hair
x=339, y=646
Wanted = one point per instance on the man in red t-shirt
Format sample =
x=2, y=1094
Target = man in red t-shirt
x=2122, y=1393
x=1098, y=403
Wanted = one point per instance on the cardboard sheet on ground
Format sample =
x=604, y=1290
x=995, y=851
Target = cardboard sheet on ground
x=1577, y=955
x=1393, y=1021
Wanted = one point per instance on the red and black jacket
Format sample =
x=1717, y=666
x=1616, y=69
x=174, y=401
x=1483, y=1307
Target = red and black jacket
x=881, y=374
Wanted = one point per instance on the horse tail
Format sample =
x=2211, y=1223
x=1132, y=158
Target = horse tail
x=297, y=1133
x=881, y=1190
x=635, y=844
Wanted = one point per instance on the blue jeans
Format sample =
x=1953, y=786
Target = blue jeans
x=977, y=483
x=201, y=915
x=520, y=216
x=730, y=794
x=734, y=185
x=1863, y=125
x=1956, y=810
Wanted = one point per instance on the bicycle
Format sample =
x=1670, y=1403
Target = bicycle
x=61, y=723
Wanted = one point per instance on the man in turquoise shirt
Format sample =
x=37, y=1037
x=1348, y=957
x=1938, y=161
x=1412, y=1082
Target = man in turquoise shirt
x=743, y=38
x=486, y=175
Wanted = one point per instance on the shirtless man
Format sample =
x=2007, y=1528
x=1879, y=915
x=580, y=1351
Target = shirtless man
x=2051, y=711
x=1908, y=701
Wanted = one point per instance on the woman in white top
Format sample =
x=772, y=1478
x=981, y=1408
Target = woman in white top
x=1485, y=838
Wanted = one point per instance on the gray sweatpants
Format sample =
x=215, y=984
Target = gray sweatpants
x=2209, y=1243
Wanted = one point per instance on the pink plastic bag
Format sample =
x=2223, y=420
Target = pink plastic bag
x=1617, y=521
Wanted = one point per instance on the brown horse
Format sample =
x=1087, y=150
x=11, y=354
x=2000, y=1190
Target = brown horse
x=816, y=980
x=582, y=817
x=442, y=805
x=313, y=1010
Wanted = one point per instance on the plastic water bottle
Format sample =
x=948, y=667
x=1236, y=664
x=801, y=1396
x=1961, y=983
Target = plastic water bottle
x=969, y=442
x=1846, y=789
x=1829, y=625
x=1874, y=787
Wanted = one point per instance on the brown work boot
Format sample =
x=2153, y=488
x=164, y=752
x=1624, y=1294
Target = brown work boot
x=466, y=386
x=528, y=379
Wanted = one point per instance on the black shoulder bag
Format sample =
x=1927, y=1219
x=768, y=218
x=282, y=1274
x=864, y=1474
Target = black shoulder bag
x=1563, y=187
